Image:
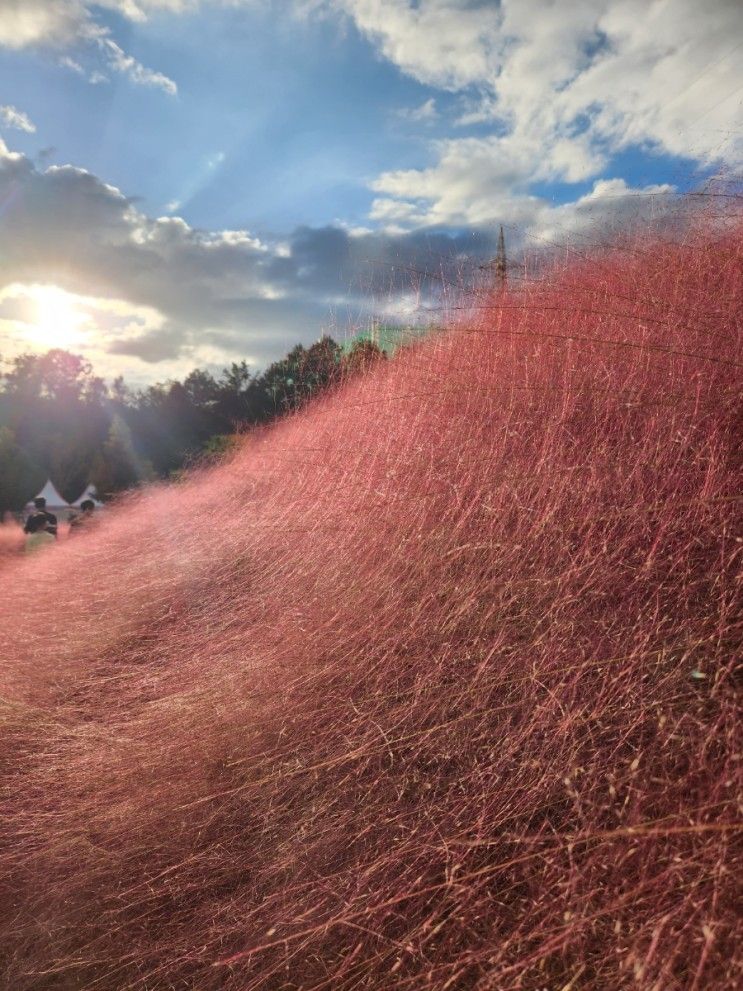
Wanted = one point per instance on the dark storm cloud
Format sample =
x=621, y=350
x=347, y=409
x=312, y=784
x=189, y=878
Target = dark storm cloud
x=334, y=260
x=152, y=347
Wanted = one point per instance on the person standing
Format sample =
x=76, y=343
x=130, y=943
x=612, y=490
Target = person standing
x=84, y=520
x=37, y=535
x=41, y=510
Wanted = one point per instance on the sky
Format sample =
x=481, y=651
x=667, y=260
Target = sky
x=194, y=182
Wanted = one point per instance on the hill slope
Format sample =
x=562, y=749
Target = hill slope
x=428, y=687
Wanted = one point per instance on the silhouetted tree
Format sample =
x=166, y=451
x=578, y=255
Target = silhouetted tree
x=19, y=476
x=119, y=466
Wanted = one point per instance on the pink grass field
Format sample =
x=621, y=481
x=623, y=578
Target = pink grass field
x=431, y=686
x=11, y=539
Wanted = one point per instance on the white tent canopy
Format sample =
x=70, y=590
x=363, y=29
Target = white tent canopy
x=91, y=492
x=54, y=501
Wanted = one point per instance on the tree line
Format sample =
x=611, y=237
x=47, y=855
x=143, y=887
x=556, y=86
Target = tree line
x=60, y=420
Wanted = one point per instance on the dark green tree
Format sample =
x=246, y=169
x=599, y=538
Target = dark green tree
x=320, y=367
x=119, y=466
x=65, y=423
x=20, y=478
x=238, y=398
x=56, y=375
x=201, y=388
x=364, y=354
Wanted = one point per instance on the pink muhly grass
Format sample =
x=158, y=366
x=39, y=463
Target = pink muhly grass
x=431, y=686
x=11, y=539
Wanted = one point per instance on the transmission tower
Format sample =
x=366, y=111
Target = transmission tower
x=499, y=263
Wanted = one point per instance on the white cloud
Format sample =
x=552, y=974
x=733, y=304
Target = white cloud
x=577, y=80
x=64, y=24
x=564, y=86
x=8, y=158
x=126, y=65
x=97, y=319
x=226, y=290
x=11, y=117
x=138, y=10
x=114, y=334
x=70, y=63
x=56, y=23
x=445, y=43
x=475, y=178
x=610, y=205
x=425, y=113
x=94, y=78
x=159, y=294
x=482, y=110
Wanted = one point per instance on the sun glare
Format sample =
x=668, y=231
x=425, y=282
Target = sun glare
x=57, y=320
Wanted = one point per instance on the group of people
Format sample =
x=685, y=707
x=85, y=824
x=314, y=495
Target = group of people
x=41, y=525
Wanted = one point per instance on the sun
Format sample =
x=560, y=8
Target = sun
x=57, y=319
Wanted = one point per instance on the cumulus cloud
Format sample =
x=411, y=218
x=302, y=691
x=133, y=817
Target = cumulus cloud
x=152, y=347
x=564, y=87
x=167, y=294
x=12, y=117
x=449, y=44
x=53, y=23
x=477, y=180
x=610, y=206
x=223, y=293
x=66, y=24
x=65, y=226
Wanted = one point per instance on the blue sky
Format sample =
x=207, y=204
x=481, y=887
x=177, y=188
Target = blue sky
x=277, y=121
x=204, y=180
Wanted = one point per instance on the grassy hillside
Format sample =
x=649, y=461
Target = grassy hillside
x=429, y=687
